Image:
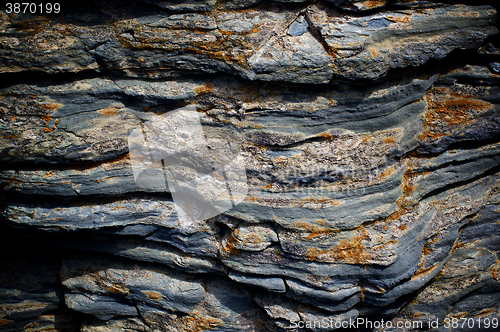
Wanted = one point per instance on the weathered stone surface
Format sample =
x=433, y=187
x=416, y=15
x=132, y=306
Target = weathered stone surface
x=370, y=142
x=368, y=47
x=296, y=43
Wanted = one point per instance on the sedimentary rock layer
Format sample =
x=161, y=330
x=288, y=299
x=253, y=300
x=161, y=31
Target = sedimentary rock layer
x=369, y=132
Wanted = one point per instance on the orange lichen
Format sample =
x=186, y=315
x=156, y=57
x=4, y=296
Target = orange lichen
x=108, y=111
x=426, y=250
x=229, y=245
x=31, y=325
x=197, y=322
x=46, y=117
x=314, y=231
x=388, y=140
x=350, y=251
x=455, y=111
x=388, y=172
x=486, y=312
x=325, y=201
x=103, y=179
x=385, y=244
x=207, y=88
x=421, y=271
x=449, y=109
x=47, y=130
x=495, y=271
x=325, y=136
x=217, y=49
x=32, y=26
x=393, y=18
x=370, y=4
x=153, y=296
x=255, y=29
x=50, y=106
x=415, y=315
x=117, y=289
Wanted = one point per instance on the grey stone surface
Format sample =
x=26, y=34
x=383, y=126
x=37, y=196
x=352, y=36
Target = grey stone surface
x=369, y=131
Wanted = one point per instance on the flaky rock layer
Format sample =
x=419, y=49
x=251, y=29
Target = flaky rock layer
x=370, y=136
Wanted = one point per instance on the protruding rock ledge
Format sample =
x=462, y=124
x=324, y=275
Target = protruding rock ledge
x=297, y=43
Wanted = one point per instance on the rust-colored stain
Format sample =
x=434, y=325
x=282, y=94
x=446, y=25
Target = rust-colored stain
x=325, y=136
x=197, y=322
x=214, y=49
x=103, y=179
x=109, y=111
x=117, y=289
x=32, y=26
x=313, y=230
x=5, y=321
x=421, y=271
x=153, y=296
x=407, y=182
x=486, y=312
x=46, y=117
x=50, y=106
x=385, y=244
x=306, y=200
x=386, y=173
x=48, y=174
x=495, y=272
x=207, y=88
x=255, y=29
x=229, y=245
x=373, y=4
x=405, y=19
x=426, y=250
x=403, y=203
x=449, y=109
x=455, y=111
x=415, y=315
x=31, y=325
x=388, y=140
x=350, y=251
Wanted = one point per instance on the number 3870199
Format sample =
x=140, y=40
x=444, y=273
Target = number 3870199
x=32, y=8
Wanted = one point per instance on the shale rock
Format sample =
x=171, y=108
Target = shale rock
x=369, y=136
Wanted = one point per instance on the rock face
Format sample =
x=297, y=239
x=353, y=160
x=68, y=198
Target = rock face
x=370, y=135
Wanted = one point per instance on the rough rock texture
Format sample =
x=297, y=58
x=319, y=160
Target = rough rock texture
x=370, y=133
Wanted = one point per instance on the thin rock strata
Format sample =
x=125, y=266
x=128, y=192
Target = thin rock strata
x=370, y=135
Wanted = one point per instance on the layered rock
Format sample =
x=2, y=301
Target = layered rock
x=370, y=143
